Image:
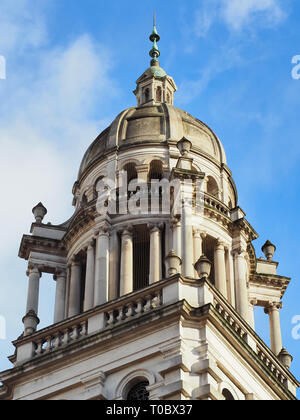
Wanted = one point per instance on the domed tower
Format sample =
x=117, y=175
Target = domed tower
x=156, y=275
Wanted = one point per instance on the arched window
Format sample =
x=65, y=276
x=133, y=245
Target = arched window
x=212, y=187
x=158, y=94
x=156, y=170
x=227, y=395
x=141, y=257
x=130, y=168
x=147, y=94
x=139, y=392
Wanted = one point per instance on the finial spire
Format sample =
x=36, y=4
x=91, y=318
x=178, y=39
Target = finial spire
x=154, y=37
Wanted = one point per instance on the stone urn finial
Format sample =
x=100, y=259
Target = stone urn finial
x=203, y=267
x=173, y=263
x=39, y=212
x=184, y=146
x=286, y=358
x=269, y=249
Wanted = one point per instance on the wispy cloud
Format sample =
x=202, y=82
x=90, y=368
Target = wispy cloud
x=238, y=14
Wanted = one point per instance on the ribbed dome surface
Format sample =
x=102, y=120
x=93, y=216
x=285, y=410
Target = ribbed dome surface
x=154, y=124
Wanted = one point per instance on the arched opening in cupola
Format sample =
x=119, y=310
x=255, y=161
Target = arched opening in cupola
x=156, y=171
x=130, y=168
x=141, y=255
x=212, y=187
x=158, y=94
x=146, y=94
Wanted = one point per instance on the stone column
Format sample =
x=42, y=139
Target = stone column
x=114, y=259
x=241, y=284
x=75, y=286
x=89, y=277
x=155, y=254
x=176, y=228
x=31, y=320
x=252, y=304
x=60, y=296
x=102, y=267
x=275, y=330
x=126, y=277
x=187, y=242
x=220, y=268
x=198, y=246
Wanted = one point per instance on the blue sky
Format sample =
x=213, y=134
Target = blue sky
x=72, y=67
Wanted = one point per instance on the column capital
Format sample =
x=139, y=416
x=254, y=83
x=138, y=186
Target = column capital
x=253, y=302
x=272, y=307
x=60, y=272
x=175, y=223
x=34, y=268
x=102, y=231
x=220, y=245
x=238, y=252
x=197, y=233
x=155, y=227
x=126, y=231
x=75, y=261
x=90, y=245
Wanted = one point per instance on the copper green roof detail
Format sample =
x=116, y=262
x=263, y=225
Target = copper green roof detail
x=154, y=52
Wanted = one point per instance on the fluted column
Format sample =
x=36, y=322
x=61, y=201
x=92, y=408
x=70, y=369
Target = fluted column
x=275, y=330
x=102, y=267
x=89, y=277
x=187, y=251
x=60, y=295
x=75, y=286
x=31, y=320
x=220, y=268
x=155, y=254
x=126, y=277
x=241, y=284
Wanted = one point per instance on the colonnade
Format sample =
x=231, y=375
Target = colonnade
x=102, y=278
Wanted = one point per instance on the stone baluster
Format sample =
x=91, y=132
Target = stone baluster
x=90, y=277
x=60, y=296
x=275, y=330
x=126, y=278
x=31, y=320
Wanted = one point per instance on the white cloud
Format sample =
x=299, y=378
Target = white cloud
x=238, y=14
x=22, y=24
x=47, y=120
x=44, y=130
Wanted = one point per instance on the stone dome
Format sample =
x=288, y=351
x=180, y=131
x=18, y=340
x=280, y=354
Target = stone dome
x=153, y=125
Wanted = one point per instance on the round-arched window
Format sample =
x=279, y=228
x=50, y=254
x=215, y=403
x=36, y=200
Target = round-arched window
x=138, y=392
x=227, y=395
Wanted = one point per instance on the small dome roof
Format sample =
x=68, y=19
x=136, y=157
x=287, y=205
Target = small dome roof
x=151, y=125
